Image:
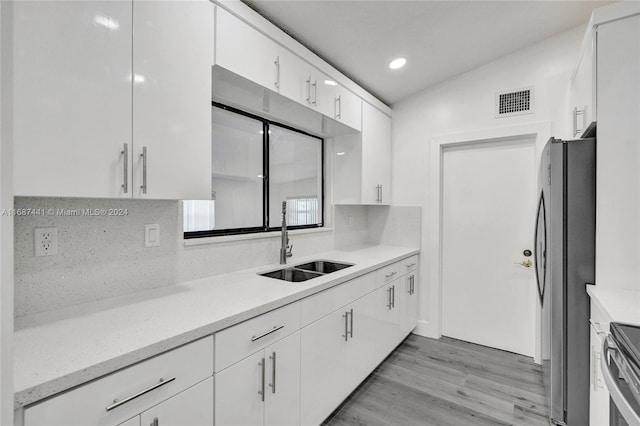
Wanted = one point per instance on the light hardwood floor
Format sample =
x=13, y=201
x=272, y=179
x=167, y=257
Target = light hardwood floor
x=447, y=382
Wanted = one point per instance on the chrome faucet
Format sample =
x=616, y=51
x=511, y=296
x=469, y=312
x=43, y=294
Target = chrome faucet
x=285, y=248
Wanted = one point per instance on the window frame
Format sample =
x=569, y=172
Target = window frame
x=265, y=181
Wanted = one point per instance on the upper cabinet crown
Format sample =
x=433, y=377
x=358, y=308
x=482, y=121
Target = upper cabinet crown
x=112, y=99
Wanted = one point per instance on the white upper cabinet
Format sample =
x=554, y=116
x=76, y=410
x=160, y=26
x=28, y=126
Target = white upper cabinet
x=582, y=95
x=71, y=97
x=245, y=51
x=362, y=162
x=347, y=108
x=76, y=132
x=172, y=59
x=293, y=73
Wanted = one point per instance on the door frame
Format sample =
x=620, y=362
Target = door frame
x=542, y=131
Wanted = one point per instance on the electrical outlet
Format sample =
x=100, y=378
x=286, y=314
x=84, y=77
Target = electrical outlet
x=45, y=241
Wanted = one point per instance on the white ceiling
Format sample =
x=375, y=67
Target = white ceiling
x=440, y=39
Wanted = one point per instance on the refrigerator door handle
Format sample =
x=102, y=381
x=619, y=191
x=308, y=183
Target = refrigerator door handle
x=541, y=207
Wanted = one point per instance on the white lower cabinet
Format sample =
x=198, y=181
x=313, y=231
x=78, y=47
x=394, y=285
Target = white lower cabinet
x=598, y=392
x=409, y=302
x=388, y=319
x=262, y=389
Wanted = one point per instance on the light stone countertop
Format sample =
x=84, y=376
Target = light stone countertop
x=621, y=305
x=58, y=350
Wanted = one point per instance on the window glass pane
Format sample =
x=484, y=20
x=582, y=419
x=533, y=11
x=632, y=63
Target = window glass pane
x=236, y=180
x=295, y=176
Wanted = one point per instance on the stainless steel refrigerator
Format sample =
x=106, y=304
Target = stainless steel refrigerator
x=565, y=265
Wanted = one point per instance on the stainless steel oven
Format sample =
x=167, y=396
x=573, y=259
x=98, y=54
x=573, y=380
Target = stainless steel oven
x=621, y=371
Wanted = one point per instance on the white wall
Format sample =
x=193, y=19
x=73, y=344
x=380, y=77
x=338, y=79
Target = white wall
x=6, y=227
x=465, y=104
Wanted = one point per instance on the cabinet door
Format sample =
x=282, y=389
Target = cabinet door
x=388, y=318
x=322, y=367
x=238, y=398
x=360, y=348
x=376, y=154
x=409, y=302
x=173, y=56
x=192, y=407
x=582, y=92
x=244, y=50
x=348, y=108
x=282, y=406
x=71, y=97
x=322, y=92
x=293, y=73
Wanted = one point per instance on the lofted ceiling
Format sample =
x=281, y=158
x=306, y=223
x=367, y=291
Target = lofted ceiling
x=439, y=39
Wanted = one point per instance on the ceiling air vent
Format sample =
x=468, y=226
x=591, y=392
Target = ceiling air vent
x=514, y=102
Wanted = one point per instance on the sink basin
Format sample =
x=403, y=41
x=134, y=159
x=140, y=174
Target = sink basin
x=323, y=266
x=291, y=274
x=306, y=271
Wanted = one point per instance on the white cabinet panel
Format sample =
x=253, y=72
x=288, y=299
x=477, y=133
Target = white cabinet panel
x=172, y=60
x=362, y=163
x=237, y=399
x=193, y=407
x=322, y=92
x=360, y=357
x=293, y=76
x=376, y=156
x=263, y=388
x=347, y=108
x=72, y=97
x=388, y=318
x=582, y=94
x=245, y=51
x=409, y=302
x=282, y=400
x=322, y=371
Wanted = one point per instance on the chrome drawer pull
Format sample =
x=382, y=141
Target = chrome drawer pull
x=273, y=330
x=389, y=275
x=125, y=178
x=411, y=265
x=117, y=403
x=261, y=391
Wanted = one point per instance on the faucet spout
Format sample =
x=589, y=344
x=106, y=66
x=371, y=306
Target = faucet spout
x=285, y=247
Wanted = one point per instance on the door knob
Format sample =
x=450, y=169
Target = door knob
x=527, y=253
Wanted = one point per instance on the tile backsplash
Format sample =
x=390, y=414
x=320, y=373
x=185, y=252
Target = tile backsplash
x=101, y=256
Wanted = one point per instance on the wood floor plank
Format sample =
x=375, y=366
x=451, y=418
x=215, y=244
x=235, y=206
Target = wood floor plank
x=447, y=382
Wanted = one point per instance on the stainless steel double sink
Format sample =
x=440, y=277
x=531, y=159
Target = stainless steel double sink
x=306, y=271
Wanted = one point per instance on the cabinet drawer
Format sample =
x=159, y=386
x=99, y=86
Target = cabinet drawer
x=319, y=305
x=96, y=403
x=388, y=273
x=409, y=264
x=244, y=339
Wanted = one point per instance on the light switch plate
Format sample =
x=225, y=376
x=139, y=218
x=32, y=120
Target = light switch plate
x=152, y=235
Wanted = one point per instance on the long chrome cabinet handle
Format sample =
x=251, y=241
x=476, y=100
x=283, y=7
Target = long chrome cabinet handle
x=390, y=274
x=315, y=92
x=266, y=333
x=411, y=265
x=144, y=170
x=277, y=64
x=125, y=160
x=309, y=90
x=338, y=114
x=393, y=296
x=351, y=323
x=272, y=385
x=262, y=377
x=117, y=403
x=389, y=298
x=615, y=392
x=346, y=326
x=155, y=422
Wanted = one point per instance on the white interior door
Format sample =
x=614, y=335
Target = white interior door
x=488, y=212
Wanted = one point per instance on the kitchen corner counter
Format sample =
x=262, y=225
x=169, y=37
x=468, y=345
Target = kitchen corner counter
x=58, y=350
x=621, y=305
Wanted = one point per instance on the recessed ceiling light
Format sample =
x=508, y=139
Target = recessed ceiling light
x=397, y=63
